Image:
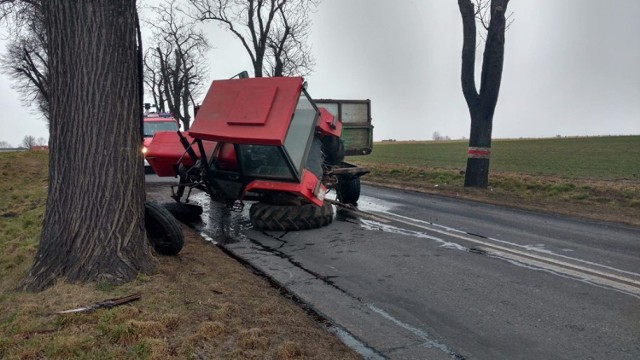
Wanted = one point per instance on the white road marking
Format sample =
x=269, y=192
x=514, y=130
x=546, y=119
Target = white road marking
x=428, y=342
x=612, y=278
x=537, y=248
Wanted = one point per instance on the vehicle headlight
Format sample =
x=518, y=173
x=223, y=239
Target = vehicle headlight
x=144, y=150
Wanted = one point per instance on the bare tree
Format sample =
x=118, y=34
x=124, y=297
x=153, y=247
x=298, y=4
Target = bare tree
x=274, y=33
x=41, y=141
x=289, y=49
x=153, y=78
x=177, y=66
x=28, y=142
x=491, y=15
x=93, y=228
x=25, y=60
x=5, y=145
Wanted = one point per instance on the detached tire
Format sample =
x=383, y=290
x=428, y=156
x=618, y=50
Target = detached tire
x=348, y=191
x=163, y=230
x=290, y=217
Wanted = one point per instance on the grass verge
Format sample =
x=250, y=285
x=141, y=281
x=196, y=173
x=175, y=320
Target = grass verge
x=199, y=304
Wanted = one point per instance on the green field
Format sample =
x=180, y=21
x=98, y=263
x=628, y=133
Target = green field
x=602, y=158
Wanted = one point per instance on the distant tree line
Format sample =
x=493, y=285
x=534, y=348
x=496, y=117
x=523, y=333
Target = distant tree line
x=437, y=137
x=28, y=142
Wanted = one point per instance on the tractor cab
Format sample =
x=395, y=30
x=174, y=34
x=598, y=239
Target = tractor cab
x=249, y=136
x=270, y=121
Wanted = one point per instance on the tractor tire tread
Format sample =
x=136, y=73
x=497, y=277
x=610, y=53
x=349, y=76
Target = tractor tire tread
x=163, y=230
x=348, y=191
x=290, y=217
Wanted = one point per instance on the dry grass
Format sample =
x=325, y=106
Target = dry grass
x=199, y=304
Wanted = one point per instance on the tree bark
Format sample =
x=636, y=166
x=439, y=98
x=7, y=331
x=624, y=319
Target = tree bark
x=93, y=227
x=481, y=105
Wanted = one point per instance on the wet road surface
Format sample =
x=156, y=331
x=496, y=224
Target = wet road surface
x=424, y=277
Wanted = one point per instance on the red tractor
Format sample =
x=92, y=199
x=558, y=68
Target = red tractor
x=266, y=140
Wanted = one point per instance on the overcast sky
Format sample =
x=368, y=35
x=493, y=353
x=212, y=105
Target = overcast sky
x=572, y=67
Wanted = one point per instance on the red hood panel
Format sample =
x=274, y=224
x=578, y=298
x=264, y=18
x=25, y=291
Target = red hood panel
x=248, y=111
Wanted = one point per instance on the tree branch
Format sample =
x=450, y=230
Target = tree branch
x=493, y=59
x=469, y=90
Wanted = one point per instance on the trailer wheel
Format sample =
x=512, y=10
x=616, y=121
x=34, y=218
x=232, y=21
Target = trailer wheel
x=348, y=191
x=290, y=217
x=163, y=230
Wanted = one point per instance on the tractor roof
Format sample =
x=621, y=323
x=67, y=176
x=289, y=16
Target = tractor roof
x=248, y=111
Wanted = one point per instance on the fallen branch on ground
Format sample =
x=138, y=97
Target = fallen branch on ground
x=107, y=304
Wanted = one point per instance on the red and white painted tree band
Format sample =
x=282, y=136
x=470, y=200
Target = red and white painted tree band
x=479, y=152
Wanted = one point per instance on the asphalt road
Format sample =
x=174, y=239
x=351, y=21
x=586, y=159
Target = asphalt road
x=423, y=277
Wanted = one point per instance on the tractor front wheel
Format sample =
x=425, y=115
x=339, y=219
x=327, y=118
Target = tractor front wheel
x=163, y=230
x=266, y=216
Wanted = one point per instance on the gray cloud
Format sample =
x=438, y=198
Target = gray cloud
x=571, y=68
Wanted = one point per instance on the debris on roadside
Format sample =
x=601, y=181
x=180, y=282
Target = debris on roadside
x=107, y=304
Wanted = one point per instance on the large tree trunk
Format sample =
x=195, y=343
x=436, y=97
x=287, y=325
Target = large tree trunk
x=481, y=105
x=94, y=221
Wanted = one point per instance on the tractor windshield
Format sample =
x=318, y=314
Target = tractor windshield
x=300, y=134
x=287, y=162
x=263, y=161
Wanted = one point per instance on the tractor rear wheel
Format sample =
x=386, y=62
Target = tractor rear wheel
x=348, y=191
x=163, y=230
x=266, y=216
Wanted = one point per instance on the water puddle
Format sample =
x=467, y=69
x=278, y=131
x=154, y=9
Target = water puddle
x=376, y=226
x=218, y=224
x=368, y=203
